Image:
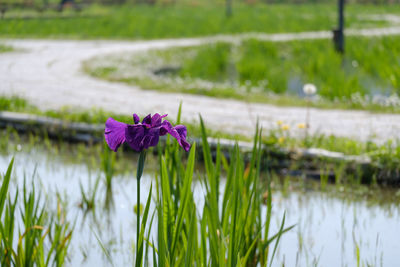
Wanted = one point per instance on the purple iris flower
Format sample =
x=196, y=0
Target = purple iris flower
x=140, y=136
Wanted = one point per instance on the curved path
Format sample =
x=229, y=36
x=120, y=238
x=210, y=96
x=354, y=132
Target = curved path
x=48, y=74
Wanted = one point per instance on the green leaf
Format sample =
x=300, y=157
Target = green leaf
x=142, y=159
x=191, y=241
x=4, y=186
x=206, y=150
x=182, y=210
x=279, y=234
x=139, y=256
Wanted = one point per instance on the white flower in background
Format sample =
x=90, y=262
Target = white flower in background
x=309, y=89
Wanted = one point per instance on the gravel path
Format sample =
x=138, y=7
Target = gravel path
x=48, y=74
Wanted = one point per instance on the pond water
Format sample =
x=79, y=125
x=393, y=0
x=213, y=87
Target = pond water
x=328, y=231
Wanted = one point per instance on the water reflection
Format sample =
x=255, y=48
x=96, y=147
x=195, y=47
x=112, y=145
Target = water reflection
x=332, y=231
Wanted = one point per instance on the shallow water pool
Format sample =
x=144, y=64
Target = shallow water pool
x=331, y=230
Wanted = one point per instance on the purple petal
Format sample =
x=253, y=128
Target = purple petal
x=134, y=136
x=182, y=131
x=155, y=120
x=139, y=137
x=151, y=138
x=155, y=136
x=114, y=133
x=147, y=120
x=166, y=127
x=179, y=133
x=136, y=118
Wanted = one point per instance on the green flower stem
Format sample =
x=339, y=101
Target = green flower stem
x=142, y=159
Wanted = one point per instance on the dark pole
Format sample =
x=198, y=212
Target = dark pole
x=341, y=25
x=228, y=8
x=338, y=35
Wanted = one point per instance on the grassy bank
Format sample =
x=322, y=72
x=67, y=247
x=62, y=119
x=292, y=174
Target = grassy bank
x=284, y=136
x=289, y=136
x=184, y=20
x=366, y=77
x=368, y=67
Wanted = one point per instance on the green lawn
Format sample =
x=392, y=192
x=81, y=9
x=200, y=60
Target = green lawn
x=370, y=65
x=271, y=72
x=183, y=20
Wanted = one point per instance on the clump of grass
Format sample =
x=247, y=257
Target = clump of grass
x=5, y=48
x=15, y=103
x=108, y=165
x=199, y=66
x=364, y=78
x=88, y=202
x=95, y=115
x=383, y=158
x=367, y=67
x=229, y=230
x=43, y=240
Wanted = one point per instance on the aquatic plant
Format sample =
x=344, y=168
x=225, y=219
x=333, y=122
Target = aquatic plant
x=230, y=228
x=43, y=240
x=88, y=201
x=141, y=136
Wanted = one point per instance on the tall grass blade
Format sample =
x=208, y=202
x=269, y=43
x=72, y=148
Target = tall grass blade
x=206, y=150
x=278, y=238
x=139, y=256
x=191, y=242
x=103, y=248
x=182, y=210
x=4, y=186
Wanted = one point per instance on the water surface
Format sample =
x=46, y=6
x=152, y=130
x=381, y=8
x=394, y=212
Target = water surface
x=329, y=227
